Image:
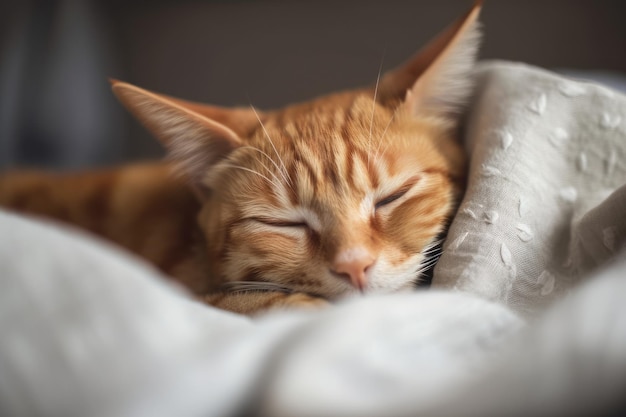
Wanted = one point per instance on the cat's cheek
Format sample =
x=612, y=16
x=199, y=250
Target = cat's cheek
x=395, y=272
x=418, y=221
x=263, y=251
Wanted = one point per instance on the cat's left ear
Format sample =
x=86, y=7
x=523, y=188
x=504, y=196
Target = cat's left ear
x=437, y=81
x=193, y=140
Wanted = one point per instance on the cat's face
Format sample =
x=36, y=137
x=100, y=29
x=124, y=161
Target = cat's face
x=345, y=193
x=333, y=197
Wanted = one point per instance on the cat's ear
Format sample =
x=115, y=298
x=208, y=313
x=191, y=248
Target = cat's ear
x=241, y=120
x=437, y=81
x=193, y=139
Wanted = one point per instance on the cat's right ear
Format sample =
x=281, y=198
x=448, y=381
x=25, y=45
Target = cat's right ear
x=437, y=81
x=193, y=140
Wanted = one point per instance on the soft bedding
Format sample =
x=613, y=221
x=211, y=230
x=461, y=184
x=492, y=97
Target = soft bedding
x=526, y=315
x=544, y=205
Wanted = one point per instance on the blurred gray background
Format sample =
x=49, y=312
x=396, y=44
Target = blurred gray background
x=56, y=109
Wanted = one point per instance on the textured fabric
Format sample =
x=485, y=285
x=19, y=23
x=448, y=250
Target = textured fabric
x=545, y=153
x=100, y=334
x=87, y=330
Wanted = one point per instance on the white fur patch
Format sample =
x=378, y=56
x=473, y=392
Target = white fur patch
x=366, y=208
x=352, y=254
x=310, y=217
x=385, y=278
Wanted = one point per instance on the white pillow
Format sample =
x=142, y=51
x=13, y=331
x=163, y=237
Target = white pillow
x=545, y=150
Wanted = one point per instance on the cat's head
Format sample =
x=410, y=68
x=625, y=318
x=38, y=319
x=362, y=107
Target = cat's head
x=344, y=193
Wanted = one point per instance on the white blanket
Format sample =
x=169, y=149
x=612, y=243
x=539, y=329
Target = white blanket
x=86, y=330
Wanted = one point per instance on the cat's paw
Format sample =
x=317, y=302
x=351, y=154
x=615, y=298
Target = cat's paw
x=253, y=303
x=304, y=301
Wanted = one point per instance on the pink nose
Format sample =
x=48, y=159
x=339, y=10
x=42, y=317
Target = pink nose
x=353, y=264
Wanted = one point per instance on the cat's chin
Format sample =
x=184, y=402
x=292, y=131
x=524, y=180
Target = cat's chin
x=408, y=287
x=354, y=293
x=387, y=286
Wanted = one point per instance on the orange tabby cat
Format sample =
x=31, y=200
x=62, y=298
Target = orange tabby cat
x=343, y=194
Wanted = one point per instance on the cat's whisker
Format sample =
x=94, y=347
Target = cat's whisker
x=277, y=226
x=265, y=166
x=369, y=140
x=246, y=286
x=426, y=266
x=284, y=173
x=433, y=245
x=382, y=151
x=383, y=136
x=429, y=260
x=432, y=252
x=251, y=171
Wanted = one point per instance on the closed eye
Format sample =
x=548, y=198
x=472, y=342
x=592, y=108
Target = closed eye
x=390, y=199
x=279, y=222
x=398, y=194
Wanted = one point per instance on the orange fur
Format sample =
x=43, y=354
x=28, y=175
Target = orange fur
x=143, y=208
x=313, y=202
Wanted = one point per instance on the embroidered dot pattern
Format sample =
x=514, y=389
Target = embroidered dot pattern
x=538, y=105
x=558, y=137
x=507, y=260
x=505, y=255
x=610, y=121
x=546, y=280
x=522, y=207
x=524, y=232
x=456, y=243
x=568, y=194
x=491, y=217
x=506, y=139
x=491, y=171
x=570, y=89
x=609, y=238
x=470, y=213
x=575, y=153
